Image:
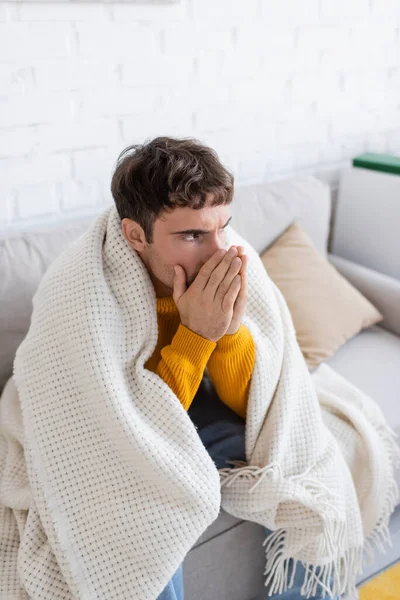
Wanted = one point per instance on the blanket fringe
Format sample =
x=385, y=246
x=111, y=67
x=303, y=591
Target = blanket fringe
x=380, y=534
x=228, y=475
x=316, y=489
x=332, y=579
x=336, y=577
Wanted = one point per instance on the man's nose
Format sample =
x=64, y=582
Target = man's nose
x=212, y=247
x=216, y=243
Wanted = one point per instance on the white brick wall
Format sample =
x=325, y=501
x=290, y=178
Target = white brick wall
x=277, y=88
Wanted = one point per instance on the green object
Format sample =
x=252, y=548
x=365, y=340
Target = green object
x=378, y=162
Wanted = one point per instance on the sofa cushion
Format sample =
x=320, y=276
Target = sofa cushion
x=261, y=212
x=224, y=522
x=371, y=361
x=229, y=566
x=326, y=309
x=24, y=259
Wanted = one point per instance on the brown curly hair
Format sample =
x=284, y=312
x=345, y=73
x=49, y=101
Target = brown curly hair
x=165, y=173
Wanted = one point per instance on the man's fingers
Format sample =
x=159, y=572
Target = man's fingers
x=244, y=258
x=179, y=283
x=242, y=296
x=219, y=283
x=243, y=288
x=231, y=295
x=204, y=274
x=242, y=254
x=222, y=274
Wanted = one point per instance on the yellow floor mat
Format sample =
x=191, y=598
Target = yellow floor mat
x=385, y=586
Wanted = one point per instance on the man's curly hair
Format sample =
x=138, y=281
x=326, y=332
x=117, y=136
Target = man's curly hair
x=165, y=173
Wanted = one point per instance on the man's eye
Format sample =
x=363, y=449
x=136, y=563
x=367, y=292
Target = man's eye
x=191, y=236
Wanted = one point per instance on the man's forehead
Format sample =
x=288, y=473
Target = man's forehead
x=207, y=218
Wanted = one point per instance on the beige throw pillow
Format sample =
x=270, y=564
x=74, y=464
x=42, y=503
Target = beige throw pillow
x=326, y=309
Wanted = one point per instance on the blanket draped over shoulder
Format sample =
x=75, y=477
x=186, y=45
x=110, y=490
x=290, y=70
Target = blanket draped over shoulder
x=105, y=484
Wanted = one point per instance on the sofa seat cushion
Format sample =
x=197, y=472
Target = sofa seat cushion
x=224, y=522
x=229, y=566
x=371, y=361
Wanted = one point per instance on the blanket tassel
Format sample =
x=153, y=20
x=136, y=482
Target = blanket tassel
x=337, y=577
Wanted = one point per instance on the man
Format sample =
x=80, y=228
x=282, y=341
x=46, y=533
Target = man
x=199, y=307
x=173, y=197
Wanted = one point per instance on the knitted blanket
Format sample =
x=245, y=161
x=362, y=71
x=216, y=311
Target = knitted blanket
x=105, y=483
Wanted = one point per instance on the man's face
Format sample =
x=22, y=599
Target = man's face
x=175, y=242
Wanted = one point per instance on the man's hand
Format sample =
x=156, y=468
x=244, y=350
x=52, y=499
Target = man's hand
x=241, y=300
x=207, y=305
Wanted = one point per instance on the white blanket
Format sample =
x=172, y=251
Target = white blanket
x=105, y=483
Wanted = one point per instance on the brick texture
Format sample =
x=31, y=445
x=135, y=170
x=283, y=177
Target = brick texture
x=276, y=88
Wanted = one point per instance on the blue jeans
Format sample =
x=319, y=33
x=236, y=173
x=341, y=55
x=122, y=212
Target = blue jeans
x=222, y=432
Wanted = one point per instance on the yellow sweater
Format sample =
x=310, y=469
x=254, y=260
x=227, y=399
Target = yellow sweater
x=181, y=357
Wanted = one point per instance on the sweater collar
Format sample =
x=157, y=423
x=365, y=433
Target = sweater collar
x=166, y=304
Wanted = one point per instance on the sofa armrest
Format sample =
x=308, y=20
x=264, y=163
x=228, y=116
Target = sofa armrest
x=381, y=290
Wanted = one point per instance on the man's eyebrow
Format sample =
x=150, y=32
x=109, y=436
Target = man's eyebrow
x=198, y=230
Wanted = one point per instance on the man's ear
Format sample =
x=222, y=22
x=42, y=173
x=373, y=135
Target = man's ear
x=134, y=234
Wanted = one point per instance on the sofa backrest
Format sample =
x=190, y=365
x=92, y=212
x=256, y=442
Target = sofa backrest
x=259, y=213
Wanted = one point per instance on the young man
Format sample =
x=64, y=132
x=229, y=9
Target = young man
x=173, y=197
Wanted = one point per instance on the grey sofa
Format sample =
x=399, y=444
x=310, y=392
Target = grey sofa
x=227, y=562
